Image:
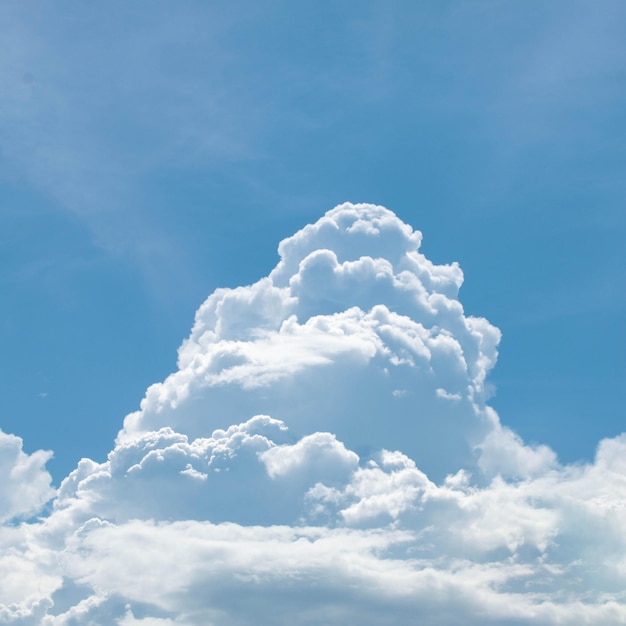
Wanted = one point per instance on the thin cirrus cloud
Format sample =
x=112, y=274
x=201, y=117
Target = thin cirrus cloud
x=325, y=453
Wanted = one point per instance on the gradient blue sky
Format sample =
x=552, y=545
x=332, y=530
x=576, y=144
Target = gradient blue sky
x=153, y=151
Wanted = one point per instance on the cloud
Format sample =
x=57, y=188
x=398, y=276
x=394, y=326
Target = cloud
x=544, y=550
x=24, y=482
x=324, y=454
x=27, y=567
x=354, y=332
x=503, y=452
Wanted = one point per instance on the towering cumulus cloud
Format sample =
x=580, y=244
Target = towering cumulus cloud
x=354, y=332
x=324, y=454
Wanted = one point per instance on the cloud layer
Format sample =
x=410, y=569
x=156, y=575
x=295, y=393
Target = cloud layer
x=324, y=454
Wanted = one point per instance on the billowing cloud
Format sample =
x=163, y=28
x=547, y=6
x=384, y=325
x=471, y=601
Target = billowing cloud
x=354, y=332
x=324, y=454
x=24, y=482
x=25, y=566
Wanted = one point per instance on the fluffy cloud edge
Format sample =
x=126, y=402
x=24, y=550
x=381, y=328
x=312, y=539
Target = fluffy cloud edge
x=25, y=484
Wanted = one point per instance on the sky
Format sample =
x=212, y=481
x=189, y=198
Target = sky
x=329, y=295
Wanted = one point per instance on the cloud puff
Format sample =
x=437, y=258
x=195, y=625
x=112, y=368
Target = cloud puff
x=243, y=474
x=24, y=482
x=324, y=454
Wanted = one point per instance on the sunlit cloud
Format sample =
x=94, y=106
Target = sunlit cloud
x=324, y=453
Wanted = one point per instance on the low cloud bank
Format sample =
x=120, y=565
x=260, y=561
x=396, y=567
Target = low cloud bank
x=324, y=454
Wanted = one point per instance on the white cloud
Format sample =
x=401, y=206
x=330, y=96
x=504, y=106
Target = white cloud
x=319, y=455
x=24, y=482
x=164, y=475
x=130, y=620
x=354, y=332
x=504, y=452
x=325, y=454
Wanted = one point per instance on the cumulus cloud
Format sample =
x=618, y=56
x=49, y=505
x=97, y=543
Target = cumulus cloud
x=354, y=332
x=24, y=481
x=324, y=454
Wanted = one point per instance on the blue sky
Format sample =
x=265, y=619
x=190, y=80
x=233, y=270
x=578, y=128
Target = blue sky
x=152, y=152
